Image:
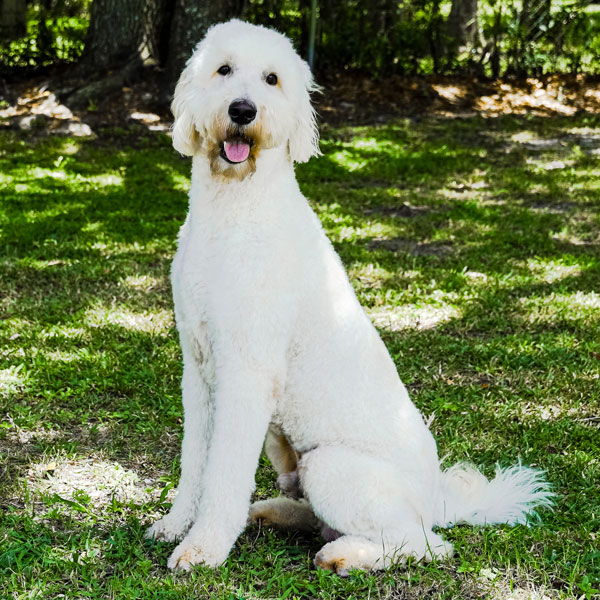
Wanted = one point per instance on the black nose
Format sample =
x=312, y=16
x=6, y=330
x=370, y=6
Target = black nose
x=242, y=112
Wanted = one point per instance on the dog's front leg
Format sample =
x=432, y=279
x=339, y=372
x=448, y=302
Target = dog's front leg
x=196, y=427
x=244, y=403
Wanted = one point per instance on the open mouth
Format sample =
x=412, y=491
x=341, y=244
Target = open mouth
x=236, y=149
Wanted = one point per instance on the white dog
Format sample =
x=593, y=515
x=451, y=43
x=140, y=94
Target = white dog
x=273, y=338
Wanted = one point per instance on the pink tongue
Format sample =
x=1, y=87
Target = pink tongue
x=237, y=151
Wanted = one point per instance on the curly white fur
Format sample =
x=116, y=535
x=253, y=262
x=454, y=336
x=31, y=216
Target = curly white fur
x=273, y=334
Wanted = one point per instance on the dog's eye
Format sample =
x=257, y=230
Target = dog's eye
x=271, y=79
x=224, y=70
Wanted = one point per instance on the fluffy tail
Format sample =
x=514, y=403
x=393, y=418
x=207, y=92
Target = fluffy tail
x=467, y=496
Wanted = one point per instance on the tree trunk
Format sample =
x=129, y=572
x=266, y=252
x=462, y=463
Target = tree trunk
x=191, y=20
x=462, y=22
x=12, y=19
x=123, y=31
x=125, y=35
x=122, y=37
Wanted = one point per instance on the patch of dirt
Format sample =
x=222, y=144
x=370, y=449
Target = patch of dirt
x=550, y=207
x=587, y=139
x=20, y=448
x=405, y=245
x=357, y=99
x=404, y=210
x=35, y=104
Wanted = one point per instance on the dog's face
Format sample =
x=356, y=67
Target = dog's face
x=244, y=90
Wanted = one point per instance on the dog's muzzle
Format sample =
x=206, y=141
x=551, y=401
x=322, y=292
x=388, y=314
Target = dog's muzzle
x=236, y=146
x=242, y=112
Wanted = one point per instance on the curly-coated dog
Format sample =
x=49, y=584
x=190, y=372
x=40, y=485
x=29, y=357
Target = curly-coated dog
x=275, y=343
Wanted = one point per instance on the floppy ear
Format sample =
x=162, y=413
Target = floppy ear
x=304, y=141
x=185, y=135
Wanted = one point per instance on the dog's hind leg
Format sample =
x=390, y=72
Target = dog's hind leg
x=279, y=450
x=357, y=552
x=196, y=436
x=374, y=504
x=285, y=513
x=284, y=460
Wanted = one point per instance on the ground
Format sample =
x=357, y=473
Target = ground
x=471, y=238
x=345, y=99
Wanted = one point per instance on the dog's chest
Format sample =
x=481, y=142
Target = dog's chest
x=189, y=282
x=190, y=291
x=215, y=272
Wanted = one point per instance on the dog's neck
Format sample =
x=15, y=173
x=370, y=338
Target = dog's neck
x=272, y=167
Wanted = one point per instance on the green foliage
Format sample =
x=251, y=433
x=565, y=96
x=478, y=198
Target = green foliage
x=54, y=34
x=410, y=37
x=390, y=38
x=564, y=38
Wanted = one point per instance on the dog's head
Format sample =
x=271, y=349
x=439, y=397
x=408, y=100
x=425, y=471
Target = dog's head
x=244, y=90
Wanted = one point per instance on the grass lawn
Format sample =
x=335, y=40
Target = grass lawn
x=474, y=246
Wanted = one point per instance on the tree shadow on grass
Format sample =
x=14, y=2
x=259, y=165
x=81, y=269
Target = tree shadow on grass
x=86, y=292
x=125, y=229
x=88, y=302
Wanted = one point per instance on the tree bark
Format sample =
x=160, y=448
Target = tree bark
x=124, y=35
x=462, y=22
x=12, y=19
x=191, y=20
x=122, y=32
x=103, y=87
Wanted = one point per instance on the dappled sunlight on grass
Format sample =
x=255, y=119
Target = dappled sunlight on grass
x=550, y=270
x=523, y=136
x=449, y=92
x=466, y=191
x=578, y=306
x=56, y=210
x=478, y=263
x=110, y=248
x=144, y=283
x=566, y=235
x=559, y=407
x=37, y=179
x=66, y=356
x=410, y=316
x=511, y=584
x=156, y=322
x=90, y=482
x=12, y=381
x=63, y=332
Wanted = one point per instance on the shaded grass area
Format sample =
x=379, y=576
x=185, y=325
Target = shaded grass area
x=474, y=246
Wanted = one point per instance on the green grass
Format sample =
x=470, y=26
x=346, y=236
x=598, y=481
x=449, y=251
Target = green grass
x=475, y=251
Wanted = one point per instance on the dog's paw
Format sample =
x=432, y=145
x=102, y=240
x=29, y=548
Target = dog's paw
x=332, y=562
x=184, y=558
x=167, y=530
x=263, y=512
x=284, y=512
x=187, y=555
x=352, y=552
